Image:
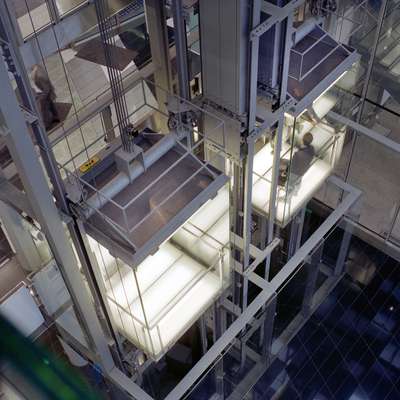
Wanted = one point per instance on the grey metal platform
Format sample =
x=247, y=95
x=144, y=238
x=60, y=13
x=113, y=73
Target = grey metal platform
x=148, y=210
x=316, y=62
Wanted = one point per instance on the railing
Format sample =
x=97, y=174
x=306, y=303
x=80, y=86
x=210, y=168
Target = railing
x=94, y=198
x=301, y=56
x=128, y=313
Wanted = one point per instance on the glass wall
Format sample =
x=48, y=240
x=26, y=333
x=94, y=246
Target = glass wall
x=369, y=95
x=312, y=145
x=154, y=303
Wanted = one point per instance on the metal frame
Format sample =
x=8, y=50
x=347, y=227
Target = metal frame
x=247, y=314
x=369, y=133
x=325, y=84
x=62, y=31
x=278, y=14
x=181, y=48
x=36, y=187
x=268, y=292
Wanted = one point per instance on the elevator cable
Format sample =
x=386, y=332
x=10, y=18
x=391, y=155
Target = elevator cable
x=115, y=76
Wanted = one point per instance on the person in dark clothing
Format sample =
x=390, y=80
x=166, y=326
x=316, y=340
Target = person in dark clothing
x=46, y=97
x=301, y=161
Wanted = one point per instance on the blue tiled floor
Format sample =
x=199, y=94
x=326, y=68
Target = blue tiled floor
x=350, y=348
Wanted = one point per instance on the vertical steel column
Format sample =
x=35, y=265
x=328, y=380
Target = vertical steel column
x=20, y=238
x=157, y=29
x=368, y=75
x=115, y=76
x=203, y=334
x=16, y=66
x=312, y=275
x=254, y=50
x=20, y=145
x=247, y=205
x=219, y=368
x=278, y=139
x=235, y=201
x=181, y=49
x=249, y=158
x=268, y=329
x=247, y=221
x=344, y=249
x=53, y=11
x=296, y=230
x=8, y=10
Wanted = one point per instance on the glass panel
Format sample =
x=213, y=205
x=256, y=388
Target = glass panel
x=229, y=376
x=394, y=232
x=311, y=146
x=350, y=337
x=382, y=119
x=65, y=6
x=154, y=303
x=355, y=24
x=31, y=15
x=374, y=170
x=383, y=86
x=51, y=367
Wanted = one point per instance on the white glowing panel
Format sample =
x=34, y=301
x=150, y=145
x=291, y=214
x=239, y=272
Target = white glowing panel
x=207, y=232
x=22, y=311
x=310, y=183
x=174, y=285
x=171, y=289
x=324, y=104
x=174, y=300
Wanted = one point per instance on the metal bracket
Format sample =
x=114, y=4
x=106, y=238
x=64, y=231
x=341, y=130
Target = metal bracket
x=272, y=118
x=262, y=255
x=232, y=308
x=14, y=197
x=278, y=14
x=238, y=242
x=29, y=117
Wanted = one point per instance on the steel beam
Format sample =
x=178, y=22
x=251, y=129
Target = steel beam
x=313, y=266
x=128, y=385
x=369, y=133
x=20, y=238
x=344, y=249
x=349, y=200
x=219, y=346
x=262, y=256
x=181, y=49
x=22, y=150
x=157, y=29
x=52, y=37
x=278, y=14
x=278, y=138
x=14, y=197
